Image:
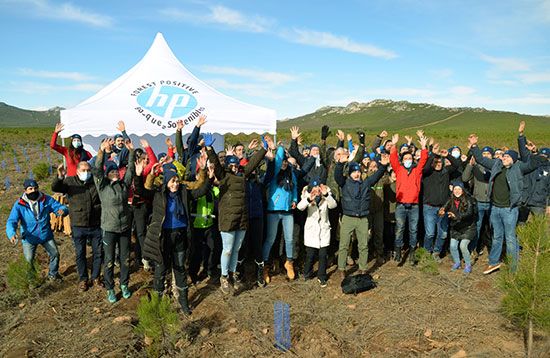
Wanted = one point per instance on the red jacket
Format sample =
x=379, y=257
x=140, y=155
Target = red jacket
x=71, y=161
x=407, y=185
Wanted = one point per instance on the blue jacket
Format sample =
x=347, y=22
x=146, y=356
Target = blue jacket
x=34, y=230
x=279, y=199
x=514, y=175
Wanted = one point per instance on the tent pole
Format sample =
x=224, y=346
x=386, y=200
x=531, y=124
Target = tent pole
x=64, y=160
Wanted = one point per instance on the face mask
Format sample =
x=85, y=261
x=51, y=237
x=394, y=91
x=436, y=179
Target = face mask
x=77, y=143
x=33, y=196
x=455, y=154
x=84, y=176
x=407, y=163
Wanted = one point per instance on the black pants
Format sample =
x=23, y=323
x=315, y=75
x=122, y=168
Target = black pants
x=139, y=215
x=174, y=249
x=205, y=248
x=253, y=241
x=310, y=258
x=110, y=239
x=80, y=236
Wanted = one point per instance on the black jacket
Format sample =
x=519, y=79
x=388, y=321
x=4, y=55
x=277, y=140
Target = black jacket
x=536, y=185
x=463, y=226
x=435, y=184
x=83, y=198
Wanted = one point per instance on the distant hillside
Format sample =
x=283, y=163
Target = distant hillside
x=12, y=117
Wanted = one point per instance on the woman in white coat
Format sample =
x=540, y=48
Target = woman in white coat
x=317, y=199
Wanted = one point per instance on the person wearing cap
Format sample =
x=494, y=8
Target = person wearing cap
x=85, y=220
x=317, y=199
x=478, y=177
x=355, y=201
x=536, y=186
x=313, y=166
x=232, y=209
x=408, y=184
x=282, y=197
x=460, y=209
x=115, y=216
x=31, y=212
x=73, y=154
x=505, y=190
x=168, y=233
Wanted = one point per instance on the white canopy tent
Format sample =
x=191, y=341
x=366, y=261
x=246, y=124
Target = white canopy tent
x=153, y=95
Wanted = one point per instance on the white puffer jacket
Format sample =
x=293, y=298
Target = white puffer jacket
x=317, y=227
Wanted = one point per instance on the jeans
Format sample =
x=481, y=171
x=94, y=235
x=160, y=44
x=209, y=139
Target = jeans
x=402, y=212
x=110, y=239
x=288, y=228
x=483, y=210
x=231, y=243
x=463, y=248
x=361, y=228
x=504, y=222
x=139, y=214
x=173, y=258
x=435, y=226
x=80, y=237
x=311, y=252
x=29, y=250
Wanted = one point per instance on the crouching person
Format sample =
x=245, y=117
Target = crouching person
x=317, y=199
x=167, y=235
x=32, y=210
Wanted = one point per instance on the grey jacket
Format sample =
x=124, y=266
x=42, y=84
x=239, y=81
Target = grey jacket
x=115, y=211
x=480, y=175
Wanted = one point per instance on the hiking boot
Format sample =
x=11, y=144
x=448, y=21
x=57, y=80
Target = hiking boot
x=224, y=285
x=98, y=284
x=380, y=260
x=83, y=286
x=146, y=266
x=307, y=276
x=492, y=268
x=111, y=297
x=260, y=275
x=126, y=293
x=350, y=261
x=267, y=278
x=323, y=282
x=436, y=257
x=184, y=301
x=455, y=266
x=289, y=266
x=467, y=269
x=235, y=279
x=397, y=256
x=412, y=257
x=55, y=278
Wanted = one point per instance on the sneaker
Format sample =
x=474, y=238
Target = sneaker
x=289, y=266
x=380, y=260
x=146, y=266
x=323, y=282
x=126, y=293
x=224, y=285
x=111, y=297
x=492, y=268
x=267, y=278
x=455, y=266
x=83, y=286
x=436, y=257
x=260, y=275
x=307, y=276
x=236, y=280
x=397, y=255
x=98, y=284
x=467, y=269
x=350, y=261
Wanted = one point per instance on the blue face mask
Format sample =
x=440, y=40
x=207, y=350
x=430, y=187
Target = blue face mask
x=77, y=143
x=407, y=163
x=455, y=154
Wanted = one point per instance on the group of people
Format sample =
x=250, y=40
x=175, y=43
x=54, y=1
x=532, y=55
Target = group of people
x=196, y=213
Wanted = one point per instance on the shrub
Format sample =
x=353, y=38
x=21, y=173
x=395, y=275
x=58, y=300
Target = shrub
x=426, y=263
x=41, y=171
x=158, y=322
x=22, y=276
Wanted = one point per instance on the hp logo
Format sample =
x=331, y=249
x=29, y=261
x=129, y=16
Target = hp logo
x=169, y=102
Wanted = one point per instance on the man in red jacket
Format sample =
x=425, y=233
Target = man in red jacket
x=409, y=177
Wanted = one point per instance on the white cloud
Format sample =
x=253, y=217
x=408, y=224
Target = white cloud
x=73, y=76
x=329, y=40
x=442, y=73
x=535, y=77
x=221, y=15
x=275, y=78
x=462, y=90
x=63, y=11
x=506, y=64
x=250, y=89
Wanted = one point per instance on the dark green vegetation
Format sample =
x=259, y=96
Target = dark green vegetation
x=11, y=116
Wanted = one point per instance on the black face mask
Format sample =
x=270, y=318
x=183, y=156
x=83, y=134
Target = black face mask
x=33, y=196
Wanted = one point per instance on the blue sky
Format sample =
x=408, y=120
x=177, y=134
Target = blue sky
x=292, y=56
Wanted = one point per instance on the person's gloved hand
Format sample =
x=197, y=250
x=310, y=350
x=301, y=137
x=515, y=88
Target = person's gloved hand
x=361, y=135
x=208, y=139
x=264, y=143
x=324, y=132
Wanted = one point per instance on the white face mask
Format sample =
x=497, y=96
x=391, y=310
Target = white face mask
x=407, y=163
x=84, y=176
x=455, y=154
x=77, y=143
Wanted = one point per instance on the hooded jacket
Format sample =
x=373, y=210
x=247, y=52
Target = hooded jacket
x=279, y=198
x=317, y=226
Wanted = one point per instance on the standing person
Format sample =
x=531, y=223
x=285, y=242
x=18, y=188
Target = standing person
x=435, y=182
x=85, y=220
x=313, y=165
x=317, y=199
x=461, y=211
x=355, y=208
x=232, y=209
x=389, y=212
x=376, y=212
x=408, y=180
x=167, y=236
x=479, y=176
x=505, y=189
x=32, y=210
x=282, y=197
x=115, y=216
x=73, y=154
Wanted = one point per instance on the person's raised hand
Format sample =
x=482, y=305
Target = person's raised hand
x=324, y=132
x=61, y=172
x=202, y=120
x=270, y=142
x=253, y=144
x=384, y=159
x=121, y=127
x=395, y=138
x=230, y=150
x=295, y=132
x=472, y=161
x=144, y=143
x=521, y=127
x=409, y=139
x=59, y=127
x=340, y=135
x=423, y=142
x=383, y=134
x=179, y=125
x=324, y=189
x=129, y=145
x=168, y=142
x=420, y=133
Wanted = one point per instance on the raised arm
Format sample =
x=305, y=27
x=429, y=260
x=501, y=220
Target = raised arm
x=58, y=184
x=339, y=174
x=219, y=172
x=53, y=142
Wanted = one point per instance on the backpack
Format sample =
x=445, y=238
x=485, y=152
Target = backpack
x=357, y=284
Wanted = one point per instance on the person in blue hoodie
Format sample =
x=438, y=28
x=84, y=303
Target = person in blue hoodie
x=282, y=197
x=32, y=211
